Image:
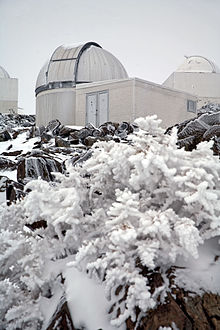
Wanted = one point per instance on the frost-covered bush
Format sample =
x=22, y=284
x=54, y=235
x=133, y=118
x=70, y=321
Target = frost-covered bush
x=131, y=206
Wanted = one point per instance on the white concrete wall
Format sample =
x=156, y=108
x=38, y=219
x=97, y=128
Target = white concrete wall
x=168, y=104
x=128, y=99
x=56, y=104
x=120, y=99
x=206, y=86
x=133, y=98
x=8, y=95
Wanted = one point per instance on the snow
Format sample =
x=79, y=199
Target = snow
x=48, y=306
x=201, y=274
x=87, y=302
x=158, y=205
x=20, y=143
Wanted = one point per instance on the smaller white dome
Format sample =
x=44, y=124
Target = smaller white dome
x=198, y=63
x=3, y=73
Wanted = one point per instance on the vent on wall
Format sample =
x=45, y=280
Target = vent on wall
x=191, y=106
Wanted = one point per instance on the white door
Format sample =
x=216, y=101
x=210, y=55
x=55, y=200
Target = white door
x=103, y=108
x=97, y=108
x=91, y=109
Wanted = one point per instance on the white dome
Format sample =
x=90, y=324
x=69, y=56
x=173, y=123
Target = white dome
x=198, y=63
x=69, y=66
x=3, y=73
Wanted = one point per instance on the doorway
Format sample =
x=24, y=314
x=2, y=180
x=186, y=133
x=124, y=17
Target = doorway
x=97, y=108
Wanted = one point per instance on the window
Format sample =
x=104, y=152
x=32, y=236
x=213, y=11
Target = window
x=191, y=106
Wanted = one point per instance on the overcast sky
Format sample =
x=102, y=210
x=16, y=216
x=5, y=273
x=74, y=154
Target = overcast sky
x=150, y=37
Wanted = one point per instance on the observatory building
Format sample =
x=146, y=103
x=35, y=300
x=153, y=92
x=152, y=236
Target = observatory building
x=8, y=93
x=199, y=76
x=87, y=84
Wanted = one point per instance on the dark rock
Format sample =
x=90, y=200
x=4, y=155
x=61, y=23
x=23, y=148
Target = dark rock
x=65, y=131
x=74, y=135
x=108, y=128
x=37, y=225
x=33, y=167
x=40, y=130
x=164, y=315
x=53, y=127
x=3, y=182
x=61, y=143
x=84, y=132
x=7, y=164
x=90, y=126
x=90, y=140
x=14, y=191
x=4, y=136
x=212, y=131
x=12, y=153
x=79, y=159
x=45, y=138
x=61, y=318
x=74, y=141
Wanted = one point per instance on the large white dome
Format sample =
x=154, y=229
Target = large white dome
x=198, y=63
x=3, y=73
x=72, y=65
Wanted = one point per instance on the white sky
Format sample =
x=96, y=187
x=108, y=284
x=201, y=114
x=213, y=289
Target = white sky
x=149, y=37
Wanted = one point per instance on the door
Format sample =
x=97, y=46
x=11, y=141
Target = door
x=102, y=107
x=97, y=108
x=91, y=109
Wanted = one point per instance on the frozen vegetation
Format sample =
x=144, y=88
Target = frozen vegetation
x=98, y=233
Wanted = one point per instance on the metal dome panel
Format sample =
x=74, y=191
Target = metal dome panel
x=77, y=64
x=97, y=64
x=3, y=73
x=198, y=63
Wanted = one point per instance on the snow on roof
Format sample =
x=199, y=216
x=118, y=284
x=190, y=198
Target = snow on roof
x=197, y=63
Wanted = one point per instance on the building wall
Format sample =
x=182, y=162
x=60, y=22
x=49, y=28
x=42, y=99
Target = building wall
x=8, y=95
x=56, y=104
x=120, y=99
x=169, y=105
x=133, y=98
x=206, y=86
x=128, y=99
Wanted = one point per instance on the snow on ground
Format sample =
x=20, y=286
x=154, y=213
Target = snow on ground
x=20, y=143
x=201, y=274
x=87, y=303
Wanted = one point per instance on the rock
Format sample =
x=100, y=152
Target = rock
x=212, y=131
x=163, y=316
x=80, y=158
x=84, y=132
x=90, y=126
x=61, y=319
x=74, y=141
x=74, y=135
x=90, y=140
x=14, y=191
x=45, y=138
x=37, y=225
x=16, y=120
x=33, y=167
x=61, y=143
x=4, y=136
x=53, y=127
x=12, y=153
x=108, y=128
x=211, y=306
x=3, y=183
x=65, y=131
x=7, y=164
